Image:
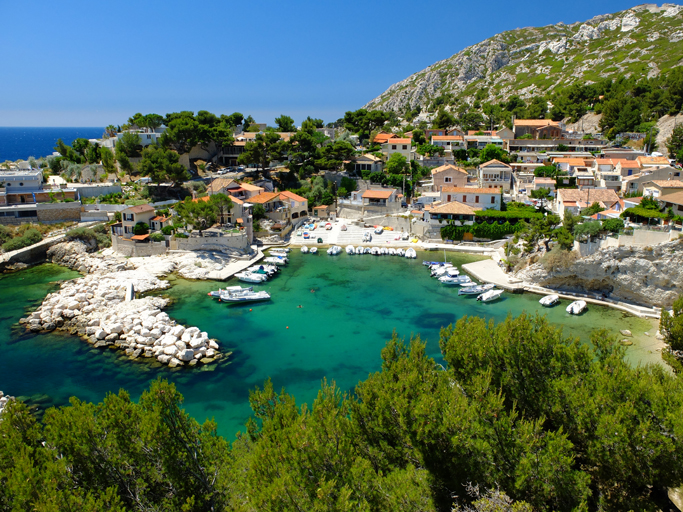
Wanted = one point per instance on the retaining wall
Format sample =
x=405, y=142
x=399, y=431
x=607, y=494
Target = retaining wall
x=97, y=190
x=210, y=243
x=58, y=212
x=31, y=254
x=137, y=250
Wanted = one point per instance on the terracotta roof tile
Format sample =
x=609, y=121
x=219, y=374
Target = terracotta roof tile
x=590, y=195
x=455, y=207
x=378, y=194
x=292, y=196
x=668, y=183
x=448, y=167
x=399, y=141
x=495, y=162
x=471, y=190
x=140, y=209
x=535, y=122
x=264, y=197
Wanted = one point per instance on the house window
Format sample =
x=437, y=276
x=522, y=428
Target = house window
x=405, y=147
x=464, y=199
x=493, y=199
x=476, y=199
x=447, y=179
x=448, y=198
x=393, y=146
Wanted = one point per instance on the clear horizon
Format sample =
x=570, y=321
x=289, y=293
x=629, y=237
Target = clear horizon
x=87, y=65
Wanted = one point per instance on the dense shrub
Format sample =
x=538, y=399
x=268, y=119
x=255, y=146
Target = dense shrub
x=5, y=234
x=98, y=235
x=524, y=213
x=483, y=230
x=613, y=225
x=157, y=237
x=141, y=228
x=31, y=236
x=181, y=235
x=167, y=230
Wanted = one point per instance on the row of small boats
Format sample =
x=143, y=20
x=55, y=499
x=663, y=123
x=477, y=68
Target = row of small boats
x=448, y=274
x=575, y=308
x=409, y=253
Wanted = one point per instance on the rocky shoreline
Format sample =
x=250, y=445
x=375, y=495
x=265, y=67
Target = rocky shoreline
x=95, y=308
x=4, y=400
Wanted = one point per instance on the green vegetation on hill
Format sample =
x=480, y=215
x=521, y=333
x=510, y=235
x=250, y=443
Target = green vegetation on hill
x=518, y=407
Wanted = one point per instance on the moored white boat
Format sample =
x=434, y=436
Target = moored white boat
x=411, y=253
x=577, y=307
x=304, y=249
x=245, y=296
x=400, y=252
x=334, y=250
x=267, y=270
x=378, y=230
x=250, y=277
x=276, y=260
x=392, y=252
x=367, y=250
x=360, y=250
x=490, y=296
x=461, y=280
x=405, y=236
x=279, y=251
x=384, y=251
x=227, y=289
x=350, y=249
x=375, y=251
x=549, y=300
x=475, y=290
x=314, y=250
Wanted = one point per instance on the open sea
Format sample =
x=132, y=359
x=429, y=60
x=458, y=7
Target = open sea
x=350, y=307
x=21, y=143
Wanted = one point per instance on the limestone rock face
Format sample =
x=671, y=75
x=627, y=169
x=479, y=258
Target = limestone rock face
x=534, y=60
x=647, y=276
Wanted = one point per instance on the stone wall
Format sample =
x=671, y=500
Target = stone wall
x=15, y=221
x=59, y=212
x=218, y=243
x=33, y=254
x=137, y=250
x=97, y=190
x=645, y=237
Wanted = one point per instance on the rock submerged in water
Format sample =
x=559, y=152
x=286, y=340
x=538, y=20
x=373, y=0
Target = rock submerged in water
x=95, y=307
x=625, y=332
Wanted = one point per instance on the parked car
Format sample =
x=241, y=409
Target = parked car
x=241, y=168
x=222, y=171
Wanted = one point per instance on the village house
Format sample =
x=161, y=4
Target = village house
x=634, y=184
x=321, y=212
x=275, y=209
x=450, y=143
x=481, y=141
x=26, y=187
x=366, y=162
x=448, y=175
x=553, y=145
x=454, y=212
x=569, y=164
x=658, y=188
x=401, y=146
x=383, y=137
x=575, y=200
x=627, y=167
x=485, y=198
x=298, y=206
x=381, y=198
x=230, y=187
x=547, y=183
x=159, y=222
x=653, y=161
x=132, y=216
x=585, y=179
x=494, y=174
x=674, y=201
x=537, y=128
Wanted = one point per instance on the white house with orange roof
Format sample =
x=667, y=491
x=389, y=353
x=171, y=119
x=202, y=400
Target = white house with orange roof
x=627, y=167
x=484, y=198
x=653, y=161
x=397, y=145
x=659, y=188
x=455, y=212
x=298, y=206
x=494, y=174
x=448, y=175
x=537, y=128
x=575, y=200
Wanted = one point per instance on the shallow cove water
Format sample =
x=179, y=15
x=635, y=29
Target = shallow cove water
x=350, y=305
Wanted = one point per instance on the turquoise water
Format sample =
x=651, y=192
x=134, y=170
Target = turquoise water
x=350, y=307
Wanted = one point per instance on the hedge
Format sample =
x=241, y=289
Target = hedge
x=483, y=230
x=520, y=214
x=639, y=211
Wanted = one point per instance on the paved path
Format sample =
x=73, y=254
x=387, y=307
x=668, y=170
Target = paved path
x=488, y=271
x=233, y=268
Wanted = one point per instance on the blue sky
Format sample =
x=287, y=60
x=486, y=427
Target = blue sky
x=81, y=63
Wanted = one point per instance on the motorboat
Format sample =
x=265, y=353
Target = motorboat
x=445, y=271
x=299, y=232
x=307, y=234
x=314, y=250
x=343, y=227
x=267, y=270
x=400, y=252
x=250, y=277
x=378, y=230
x=490, y=296
x=328, y=226
x=218, y=292
x=245, y=296
x=278, y=252
x=475, y=290
x=360, y=250
x=367, y=237
x=367, y=250
x=304, y=249
x=549, y=300
x=350, y=249
x=375, y=251
x=392, y=252
x=577, y=307
x=384, y=251
x=460, y=280
x=334, y=250
x=405, y=236
x=411, y=253
x=276, y=260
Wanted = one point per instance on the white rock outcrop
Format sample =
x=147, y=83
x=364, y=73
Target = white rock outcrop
x=650, y=276
x=95, y=308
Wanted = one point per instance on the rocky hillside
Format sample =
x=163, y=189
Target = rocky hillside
x=530, y=61
x=651, y=276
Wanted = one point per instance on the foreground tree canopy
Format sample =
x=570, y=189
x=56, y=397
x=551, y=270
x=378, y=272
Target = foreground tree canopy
x=540, y=418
